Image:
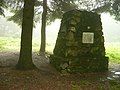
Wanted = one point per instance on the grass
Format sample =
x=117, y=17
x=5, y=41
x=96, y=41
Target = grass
x=9, y=43
x=113, y=52
x=13, y=44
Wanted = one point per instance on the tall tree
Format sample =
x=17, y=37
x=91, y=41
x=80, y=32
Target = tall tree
x=25, y=58
x=115, y=9
x=43, y=29
x=2, y=6
x=58, y=7
x=16, y=7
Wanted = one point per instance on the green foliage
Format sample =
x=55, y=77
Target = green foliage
x=16, y=7
x=17, y=17
x=13, y=44
x=14, y=4
x=2, y=44
x=114, y=85
x=7, y=43
x=56, y=8
x=2, y=6
x=113, y=52
x=115, y=9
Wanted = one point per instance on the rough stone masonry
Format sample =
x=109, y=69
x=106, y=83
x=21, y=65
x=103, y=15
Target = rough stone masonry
x=80, y=43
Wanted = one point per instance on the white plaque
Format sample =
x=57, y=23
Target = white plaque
x=88, y=37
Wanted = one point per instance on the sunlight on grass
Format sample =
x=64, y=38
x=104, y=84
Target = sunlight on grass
x=113, y=52
x=36, y=46
x=9, y=43
x=13, y=44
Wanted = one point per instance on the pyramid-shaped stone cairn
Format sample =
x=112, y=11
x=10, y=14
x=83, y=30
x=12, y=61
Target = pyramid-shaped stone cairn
x=80, y=44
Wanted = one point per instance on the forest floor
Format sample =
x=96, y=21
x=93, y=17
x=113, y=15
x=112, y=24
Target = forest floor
x=47, y=78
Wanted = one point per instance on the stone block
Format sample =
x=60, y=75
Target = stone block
x=80, y=43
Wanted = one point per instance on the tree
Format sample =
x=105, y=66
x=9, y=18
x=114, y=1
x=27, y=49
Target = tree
x=43, y=28
x=58, y=7
x=115, y=9
x=16, y=7
x=25, y=58
x=2, y=6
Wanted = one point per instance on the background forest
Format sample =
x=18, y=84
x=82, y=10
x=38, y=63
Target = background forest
x=28, y=32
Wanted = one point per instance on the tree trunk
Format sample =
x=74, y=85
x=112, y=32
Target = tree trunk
x=43, y=29
x=25, y=58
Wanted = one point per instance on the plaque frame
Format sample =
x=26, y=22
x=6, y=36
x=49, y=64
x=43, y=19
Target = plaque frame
x=88, y=37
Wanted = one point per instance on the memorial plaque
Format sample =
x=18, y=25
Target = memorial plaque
x=88, y=37
x=80, y=44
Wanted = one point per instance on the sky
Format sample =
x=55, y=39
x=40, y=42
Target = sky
x=111, y=28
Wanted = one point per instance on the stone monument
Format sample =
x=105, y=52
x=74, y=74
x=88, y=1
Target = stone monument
x=80, y=43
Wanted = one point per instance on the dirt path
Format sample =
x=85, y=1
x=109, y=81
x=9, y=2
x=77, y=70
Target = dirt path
x=8, y=59
x=47, y=78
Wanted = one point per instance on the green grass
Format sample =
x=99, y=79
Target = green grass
x=114, y=85
x=110, y=84
x=113, y=52
x=9, y=43
x=13, y=44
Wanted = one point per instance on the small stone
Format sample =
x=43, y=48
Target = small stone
x=73, y=22
x=88, y=27
x=117, y=73
x=115, y=76
x=109, y=78
x=70, y=62
x=72, y=29
x=63, y=66
x=70, y=36
x=28, y=77
x=112, y=71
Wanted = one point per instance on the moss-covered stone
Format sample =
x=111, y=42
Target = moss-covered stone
x=80, y=43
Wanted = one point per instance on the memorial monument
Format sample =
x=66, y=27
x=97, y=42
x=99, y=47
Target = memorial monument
x=80, y=43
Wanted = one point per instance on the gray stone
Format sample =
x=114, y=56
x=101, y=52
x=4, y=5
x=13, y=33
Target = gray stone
x=63, y=66
x=80, y=43
x=117, y=73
